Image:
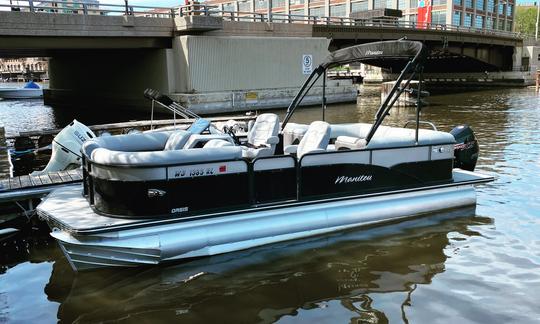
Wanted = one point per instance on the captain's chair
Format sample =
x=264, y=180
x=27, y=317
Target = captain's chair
x=262, y=137
x=315, y=140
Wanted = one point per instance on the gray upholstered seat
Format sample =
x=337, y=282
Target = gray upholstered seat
x=161, y=158
x=262, y=137
x=316, y=139
x=177, y=140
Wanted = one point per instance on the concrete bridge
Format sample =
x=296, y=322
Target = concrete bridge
x=116, y=55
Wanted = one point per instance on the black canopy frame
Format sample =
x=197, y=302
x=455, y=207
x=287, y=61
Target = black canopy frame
x=372, y=53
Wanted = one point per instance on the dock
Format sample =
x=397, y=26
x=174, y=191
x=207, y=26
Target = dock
x=31, y=187
x=6, y=168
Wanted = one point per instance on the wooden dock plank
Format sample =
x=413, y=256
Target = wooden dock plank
x=55, y=178
x=25, y=181
x=36, y=180
x=15, y=183
x=64, y=175
x=76, y=174
x=4, y=185
x=45, y=179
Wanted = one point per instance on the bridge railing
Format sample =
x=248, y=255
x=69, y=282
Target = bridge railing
x=85, y=8
x=209, y=10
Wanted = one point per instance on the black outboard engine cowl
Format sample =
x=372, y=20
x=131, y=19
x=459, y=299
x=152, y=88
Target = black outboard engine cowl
x=466, y=148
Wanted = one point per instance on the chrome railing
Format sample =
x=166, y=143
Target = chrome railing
x=212, y=10
x=85, y=8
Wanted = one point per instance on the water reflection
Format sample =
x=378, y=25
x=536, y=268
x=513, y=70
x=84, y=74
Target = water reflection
x=277, y=282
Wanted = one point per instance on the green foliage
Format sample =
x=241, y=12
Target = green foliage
x=525, y=20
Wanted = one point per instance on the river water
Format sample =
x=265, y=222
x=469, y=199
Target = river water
x=465, y=266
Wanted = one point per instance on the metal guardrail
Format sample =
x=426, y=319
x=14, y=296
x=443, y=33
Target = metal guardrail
x=209, y=10
x=199, y=9
x=85, y=8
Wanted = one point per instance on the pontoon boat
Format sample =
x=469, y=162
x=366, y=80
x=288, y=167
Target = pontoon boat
x=167, y=195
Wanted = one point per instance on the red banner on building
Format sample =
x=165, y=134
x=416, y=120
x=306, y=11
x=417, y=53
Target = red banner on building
x=424, y=14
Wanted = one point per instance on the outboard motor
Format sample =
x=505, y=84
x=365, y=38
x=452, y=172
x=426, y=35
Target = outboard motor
x=66, y=147
x=466, y=148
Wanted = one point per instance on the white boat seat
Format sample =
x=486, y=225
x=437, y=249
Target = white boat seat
x=217, y=143
x=349, y=143
x=161, y=158
x=316, y=139
x=196, y=139
x=131, y=142
x=177, y=140
x=262, y=137
x=385, y=137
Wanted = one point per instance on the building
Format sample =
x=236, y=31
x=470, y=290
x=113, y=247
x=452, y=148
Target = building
x=90, y=7
x=484, y=14
x=13, y=69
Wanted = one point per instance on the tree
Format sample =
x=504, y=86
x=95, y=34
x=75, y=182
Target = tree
x=526, y=20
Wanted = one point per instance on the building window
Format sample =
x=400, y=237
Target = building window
x=480, y=5
x=337, y=10
x=229, y=6
x=379, y=4
x=509, y=26
x=490, y=5
x=489, y=23
x=500, y=25
x=438, y=2
x=438, y=17
x=457, y=2
x=244, y=6
x=261, y=4
x=390, y=4
x=467, y=22
x=468, y=4
x=413, y=19
x=318, y=11
x=501, y=8
x=402, y=4
x=297, y=12
x=413, y=3
x=479, y=22
x=509, y=10
x=296, y=2
x=456, y=18
x=278, y=3
x=359, y=6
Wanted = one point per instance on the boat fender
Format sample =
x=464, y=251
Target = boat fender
x=466, y=148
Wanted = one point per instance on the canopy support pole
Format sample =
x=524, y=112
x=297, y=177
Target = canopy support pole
x=419, y=101
x=324, y=96
x=301, y=94
x=387, y=105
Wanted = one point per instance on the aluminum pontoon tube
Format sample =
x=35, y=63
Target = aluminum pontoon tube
x=153, y=244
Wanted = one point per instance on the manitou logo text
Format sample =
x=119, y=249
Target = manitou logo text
x=361, y=178
x=374, y=52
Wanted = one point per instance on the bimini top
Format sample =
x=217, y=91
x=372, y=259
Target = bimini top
x=400, y=50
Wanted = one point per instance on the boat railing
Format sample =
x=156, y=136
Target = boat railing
x=169, y=104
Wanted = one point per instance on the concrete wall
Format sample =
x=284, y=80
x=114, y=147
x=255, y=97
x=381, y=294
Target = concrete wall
x=243, y=63
x=208, y=74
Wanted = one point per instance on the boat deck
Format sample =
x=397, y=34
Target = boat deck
x=78, y=217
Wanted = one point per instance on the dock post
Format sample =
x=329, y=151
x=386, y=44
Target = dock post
x=6, y=168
